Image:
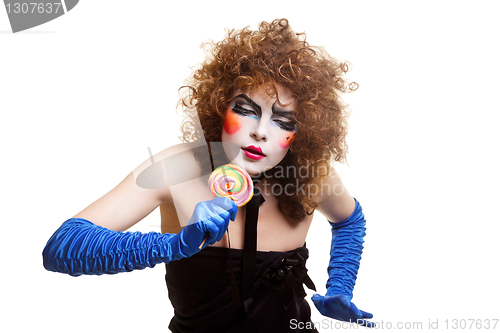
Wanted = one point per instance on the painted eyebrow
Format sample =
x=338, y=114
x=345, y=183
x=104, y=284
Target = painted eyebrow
x=286, y=114
x=252, y=103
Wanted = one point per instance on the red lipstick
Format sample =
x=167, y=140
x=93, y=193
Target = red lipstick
x=255, y=153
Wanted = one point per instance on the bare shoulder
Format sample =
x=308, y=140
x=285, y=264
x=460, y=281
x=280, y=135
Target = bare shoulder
x=334, y=200
x=166, y=168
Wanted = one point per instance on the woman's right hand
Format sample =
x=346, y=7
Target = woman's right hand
x=210, y=219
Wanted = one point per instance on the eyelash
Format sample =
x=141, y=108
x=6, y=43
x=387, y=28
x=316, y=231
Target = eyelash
x=242, y=111
x=288, y=126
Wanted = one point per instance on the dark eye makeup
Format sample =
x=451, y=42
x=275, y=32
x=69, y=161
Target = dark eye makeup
x=242, y=111
x=288, y=126
x=283, y=122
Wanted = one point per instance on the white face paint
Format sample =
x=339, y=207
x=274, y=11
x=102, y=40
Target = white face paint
x=261, y=127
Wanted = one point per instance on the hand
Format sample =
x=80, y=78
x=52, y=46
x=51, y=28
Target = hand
x=210, y=219
x=341, y=308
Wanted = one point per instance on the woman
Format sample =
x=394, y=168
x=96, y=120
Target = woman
x=273, y=102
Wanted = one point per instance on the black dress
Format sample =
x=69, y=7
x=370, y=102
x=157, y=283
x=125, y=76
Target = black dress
x=230, y=290
x=200, y=290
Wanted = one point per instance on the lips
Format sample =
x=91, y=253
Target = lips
x=254, y=153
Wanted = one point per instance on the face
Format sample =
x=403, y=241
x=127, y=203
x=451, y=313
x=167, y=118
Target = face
x=262, y=128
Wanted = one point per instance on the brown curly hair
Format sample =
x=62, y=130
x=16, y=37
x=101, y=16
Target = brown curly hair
x=275, y=54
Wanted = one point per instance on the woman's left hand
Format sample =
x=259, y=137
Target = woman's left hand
x=341, y=308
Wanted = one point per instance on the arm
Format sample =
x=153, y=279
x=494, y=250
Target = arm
x=348, y=230
x=80, y=246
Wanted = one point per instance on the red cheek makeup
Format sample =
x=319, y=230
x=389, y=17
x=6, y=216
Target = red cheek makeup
x=287, y=140
x=232, y=123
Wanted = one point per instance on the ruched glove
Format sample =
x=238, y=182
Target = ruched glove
x=345, y=255
x=81, y=247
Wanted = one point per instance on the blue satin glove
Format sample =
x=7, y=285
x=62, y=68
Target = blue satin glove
x=341, y=308
x=345, y=255
x=80, y=247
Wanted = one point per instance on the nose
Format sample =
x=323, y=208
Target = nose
x=259, y=131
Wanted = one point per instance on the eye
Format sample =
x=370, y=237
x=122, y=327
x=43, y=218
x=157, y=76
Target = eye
x=243, y=112
x=288, y=126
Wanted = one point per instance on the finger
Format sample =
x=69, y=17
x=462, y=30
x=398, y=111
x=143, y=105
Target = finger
x=224, y=207
x=233, y=211
x=355, y=311
x=317, y=299
x=219, y=223
x=216, y=226
x=212, y=229
x=211, y=232
x=366, y=314
x=227, y=204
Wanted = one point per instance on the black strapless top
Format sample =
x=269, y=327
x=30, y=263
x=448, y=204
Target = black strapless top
x=200, y=290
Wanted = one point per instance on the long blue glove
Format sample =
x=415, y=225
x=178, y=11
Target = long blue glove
x=345, y=254
x=80, y=247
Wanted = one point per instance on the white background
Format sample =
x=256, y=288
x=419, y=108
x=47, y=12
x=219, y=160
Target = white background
x=83, y=96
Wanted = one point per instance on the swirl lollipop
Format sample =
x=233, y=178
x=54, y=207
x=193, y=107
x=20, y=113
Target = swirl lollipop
x=232, y=182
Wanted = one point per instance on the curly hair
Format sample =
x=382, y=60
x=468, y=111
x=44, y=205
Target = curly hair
x=275, y=54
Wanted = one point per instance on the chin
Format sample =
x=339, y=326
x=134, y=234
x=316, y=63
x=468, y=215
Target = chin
x=253, y=172
x=255, y=169
x=249, y=167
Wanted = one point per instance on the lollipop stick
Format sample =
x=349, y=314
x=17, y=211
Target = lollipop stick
x=204, y=240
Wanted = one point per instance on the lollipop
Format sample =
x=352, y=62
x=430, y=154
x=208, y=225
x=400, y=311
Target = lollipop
x=232, y=182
